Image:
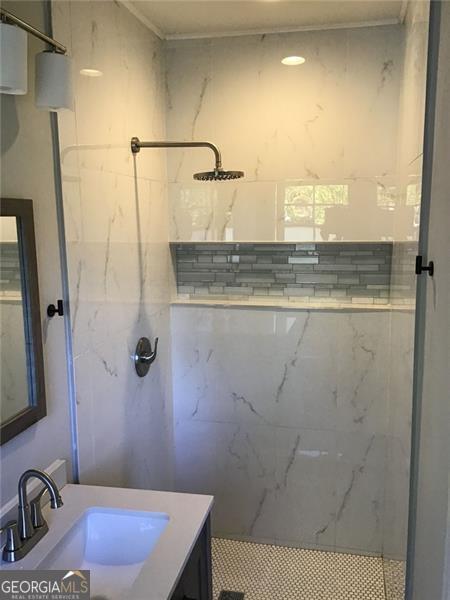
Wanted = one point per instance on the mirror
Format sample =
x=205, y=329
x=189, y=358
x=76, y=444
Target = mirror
x=22, y=389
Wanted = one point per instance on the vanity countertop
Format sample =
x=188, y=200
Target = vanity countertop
x=162, y=569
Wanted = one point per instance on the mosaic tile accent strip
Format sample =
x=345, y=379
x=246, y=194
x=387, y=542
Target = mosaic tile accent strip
x=403, y=277
x=265, y=572
x=340, y=272
x=9, y=267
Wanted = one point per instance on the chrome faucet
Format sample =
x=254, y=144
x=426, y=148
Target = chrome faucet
x=22, y=535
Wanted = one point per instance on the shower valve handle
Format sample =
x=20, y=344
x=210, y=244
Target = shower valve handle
x=149, y=357
x=144, y=356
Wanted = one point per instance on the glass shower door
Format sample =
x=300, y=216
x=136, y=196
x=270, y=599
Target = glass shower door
x=428, y=551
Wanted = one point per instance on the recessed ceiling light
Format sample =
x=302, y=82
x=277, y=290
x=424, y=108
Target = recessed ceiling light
x=91, y=72
x=292, y=61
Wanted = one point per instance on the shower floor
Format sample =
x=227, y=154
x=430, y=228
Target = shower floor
x=265, y=572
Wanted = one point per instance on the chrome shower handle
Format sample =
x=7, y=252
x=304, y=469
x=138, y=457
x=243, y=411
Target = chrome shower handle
x=149, y=357
x=144, y=356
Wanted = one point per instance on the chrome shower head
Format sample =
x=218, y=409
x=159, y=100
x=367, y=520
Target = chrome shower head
x=218, y=175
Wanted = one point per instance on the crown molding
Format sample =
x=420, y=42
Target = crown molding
x=132, y=8
x=275, y=30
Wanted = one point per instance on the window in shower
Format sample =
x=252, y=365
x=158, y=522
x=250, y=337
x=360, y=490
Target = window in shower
x=305, y=209
x=405, y=202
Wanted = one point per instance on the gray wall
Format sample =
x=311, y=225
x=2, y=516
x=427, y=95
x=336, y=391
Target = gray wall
x=27, y=172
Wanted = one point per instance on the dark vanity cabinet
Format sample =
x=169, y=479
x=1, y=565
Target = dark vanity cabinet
x=196, y=580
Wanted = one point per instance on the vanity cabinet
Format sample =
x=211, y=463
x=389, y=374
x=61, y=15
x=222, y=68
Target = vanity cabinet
x=196, y=580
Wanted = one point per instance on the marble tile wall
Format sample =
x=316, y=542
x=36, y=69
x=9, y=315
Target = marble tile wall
x=117, y=231
x=314, y=169
x=303, y=184
x=282, y=416
x=410, y=150
x=343, y=273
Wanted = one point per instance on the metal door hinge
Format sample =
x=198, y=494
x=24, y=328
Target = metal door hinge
x=420, y=268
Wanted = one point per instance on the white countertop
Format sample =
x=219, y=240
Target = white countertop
x=162, y=569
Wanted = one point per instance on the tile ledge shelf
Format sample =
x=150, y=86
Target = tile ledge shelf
x=215, y=302
x=12, y=298
x=287, y=242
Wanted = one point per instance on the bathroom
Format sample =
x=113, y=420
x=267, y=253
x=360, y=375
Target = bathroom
x=218, y=318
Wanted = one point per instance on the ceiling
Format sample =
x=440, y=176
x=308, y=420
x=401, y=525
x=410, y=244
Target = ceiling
x=204, y=18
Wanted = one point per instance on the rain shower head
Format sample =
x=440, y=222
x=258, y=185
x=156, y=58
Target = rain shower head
x=218, y=174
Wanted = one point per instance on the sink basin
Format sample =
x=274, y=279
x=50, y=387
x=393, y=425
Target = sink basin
x=112, y=543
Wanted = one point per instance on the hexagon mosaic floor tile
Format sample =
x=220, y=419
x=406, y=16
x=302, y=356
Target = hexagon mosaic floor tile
x=394, y=577
x=266, y=572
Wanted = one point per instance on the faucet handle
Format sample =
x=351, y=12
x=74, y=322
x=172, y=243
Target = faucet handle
x=36, y=510
x=13, y=542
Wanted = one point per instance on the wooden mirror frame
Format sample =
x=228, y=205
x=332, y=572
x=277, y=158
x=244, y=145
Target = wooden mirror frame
x=22, y=209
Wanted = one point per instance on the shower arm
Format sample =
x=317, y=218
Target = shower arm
x=136, y=145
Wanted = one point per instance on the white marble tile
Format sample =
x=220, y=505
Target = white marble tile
x=118, y=257
x=191, y=109
x=85, y=420
x=373, y=77
x=362, y=373
x=108, y=38
x=399, y=436
x=271, y=386
x=282, y=125
x=235, y=463
x=306, y=487
x=396, y=502
x=248, y=497
x=306, y=390
x=214, y=211
x=360, y=491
